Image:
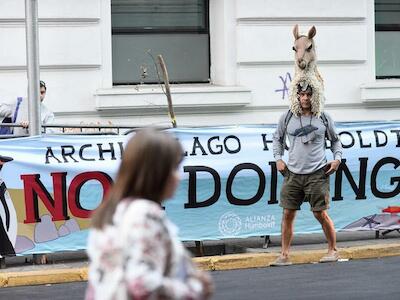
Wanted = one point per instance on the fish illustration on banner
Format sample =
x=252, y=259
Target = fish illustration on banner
x=387, y=220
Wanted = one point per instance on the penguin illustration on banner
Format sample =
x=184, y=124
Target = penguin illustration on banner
x=8, y=217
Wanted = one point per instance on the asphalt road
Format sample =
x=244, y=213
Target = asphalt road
x=360, y=279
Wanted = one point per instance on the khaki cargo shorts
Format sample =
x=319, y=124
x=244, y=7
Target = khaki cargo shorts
x=299, y=188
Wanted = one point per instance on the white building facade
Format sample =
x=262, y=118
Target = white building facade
x=240, y=52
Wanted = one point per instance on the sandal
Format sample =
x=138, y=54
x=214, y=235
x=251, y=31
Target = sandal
x=333, y=257
x=281, y=261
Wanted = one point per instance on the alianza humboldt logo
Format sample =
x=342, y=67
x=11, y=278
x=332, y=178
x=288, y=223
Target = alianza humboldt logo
x=230, y=224
x=259, y=222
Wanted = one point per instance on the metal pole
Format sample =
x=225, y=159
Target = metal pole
x=32, y=60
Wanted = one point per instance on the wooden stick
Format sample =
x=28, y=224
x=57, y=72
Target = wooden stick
x=167, y=90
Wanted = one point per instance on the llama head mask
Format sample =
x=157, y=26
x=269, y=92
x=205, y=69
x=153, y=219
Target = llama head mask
x=306, y=72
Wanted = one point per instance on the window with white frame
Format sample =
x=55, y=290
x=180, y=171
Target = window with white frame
x=387, y=38
x=176, y=29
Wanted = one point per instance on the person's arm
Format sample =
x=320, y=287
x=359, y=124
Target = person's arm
x=5, y=110
x=278, y=144
x=150, y=256
x=336, y=147
x=47, y=118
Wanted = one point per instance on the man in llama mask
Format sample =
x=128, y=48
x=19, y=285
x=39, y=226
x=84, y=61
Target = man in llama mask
x=306, y=172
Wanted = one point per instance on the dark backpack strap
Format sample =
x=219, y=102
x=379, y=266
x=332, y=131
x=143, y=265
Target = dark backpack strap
x=328, y=133
x=289, y=115
x=326, y=124
x=324, y=119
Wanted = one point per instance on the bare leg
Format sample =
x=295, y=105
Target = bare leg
x=329, y=229
x=287, y=230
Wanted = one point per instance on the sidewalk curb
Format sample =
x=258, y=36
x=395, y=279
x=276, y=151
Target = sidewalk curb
x=259, y=260
x=48, y=276
x=211, y=263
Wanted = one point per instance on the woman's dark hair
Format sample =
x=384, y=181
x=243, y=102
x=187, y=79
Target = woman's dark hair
x=149, y=159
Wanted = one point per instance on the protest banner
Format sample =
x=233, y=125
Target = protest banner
x=230, y=185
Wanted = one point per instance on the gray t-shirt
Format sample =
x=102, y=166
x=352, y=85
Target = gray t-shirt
x=306, y=135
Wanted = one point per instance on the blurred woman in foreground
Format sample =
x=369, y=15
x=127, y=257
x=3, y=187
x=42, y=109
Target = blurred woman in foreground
x=134, y=250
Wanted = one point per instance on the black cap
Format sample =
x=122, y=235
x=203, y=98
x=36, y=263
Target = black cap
x=5, y=158
x=304, y=87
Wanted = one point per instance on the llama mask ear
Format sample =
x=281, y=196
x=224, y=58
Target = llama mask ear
x=296, y=32
x=312, y=32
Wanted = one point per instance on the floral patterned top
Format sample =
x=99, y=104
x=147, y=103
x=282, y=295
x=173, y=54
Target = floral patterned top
x=140, y=256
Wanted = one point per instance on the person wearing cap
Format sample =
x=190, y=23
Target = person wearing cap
x=306, y=171
x=7, y=214
x=6, y=117
x=20, y=112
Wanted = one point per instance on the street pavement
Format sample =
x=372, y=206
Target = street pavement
x=357, y=279
x=219, y=255
x=366, y=279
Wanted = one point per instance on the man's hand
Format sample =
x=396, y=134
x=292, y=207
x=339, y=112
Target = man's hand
x=208, y=286
x=25, y=124
x=280, y=165
x=332, y=167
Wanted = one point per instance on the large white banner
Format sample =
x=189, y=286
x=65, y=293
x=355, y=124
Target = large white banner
x=230, y=186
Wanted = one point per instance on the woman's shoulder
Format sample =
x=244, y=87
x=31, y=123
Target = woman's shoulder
x=142, y=204
x=140, y=208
